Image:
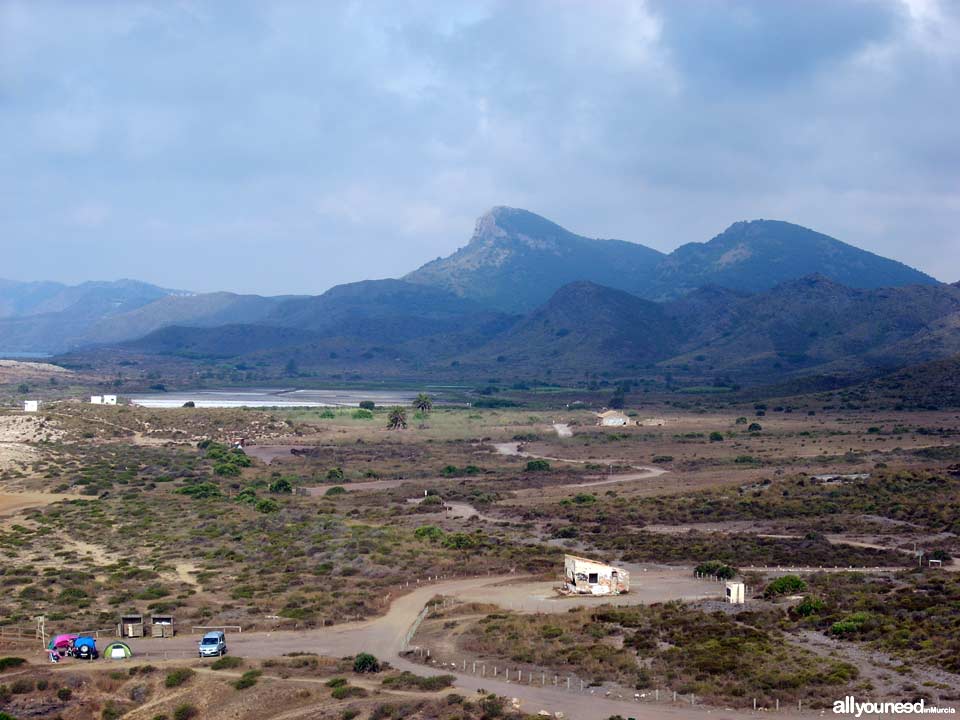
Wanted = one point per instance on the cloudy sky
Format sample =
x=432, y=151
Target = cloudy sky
x=287, y=146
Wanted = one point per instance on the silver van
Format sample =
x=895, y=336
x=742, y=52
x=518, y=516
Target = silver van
x=213, y=643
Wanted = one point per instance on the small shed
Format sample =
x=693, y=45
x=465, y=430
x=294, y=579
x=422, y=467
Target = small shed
x=96, y=399
x=31, y=405
x=161, y=626
x=591, y=577
x=130, y=626
x=612, y=418
x=109, y=399
x=736, y=593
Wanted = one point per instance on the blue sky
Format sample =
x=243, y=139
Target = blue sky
x=288, y=146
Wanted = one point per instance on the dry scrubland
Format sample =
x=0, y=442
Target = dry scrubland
x=125, y=509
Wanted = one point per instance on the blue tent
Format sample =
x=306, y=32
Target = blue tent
x=85, y=640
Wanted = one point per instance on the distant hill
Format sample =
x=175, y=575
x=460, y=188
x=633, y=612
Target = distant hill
x=928, y=385
x=814, y=322
x=516, y=260
x=49, y=317
x=586, y=326
x=757, y=255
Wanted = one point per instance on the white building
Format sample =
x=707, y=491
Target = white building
x=96, y=399
x=612, y=418
x=109, y=399
x=590, y=577
x=31, y=405
x=736, y=593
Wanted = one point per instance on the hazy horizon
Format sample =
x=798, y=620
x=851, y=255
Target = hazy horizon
x=284, y=148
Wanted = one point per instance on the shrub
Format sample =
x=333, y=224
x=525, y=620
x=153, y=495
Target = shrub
x=428, y=532
x=184, y=712
x=716, y=569
x=537, y=466
x=362, y=414
x=64, y=694
x=178, y=677
x=367, y=404
x=409, y=681
x=227, y=662
x=267, y=505
x=784, y=585
x=335, y=474
x=201, y=491
x=346, y=691
x=809, y=606
x=281, y=486
x=365, y=663
x=716, y=436
x=335, y=490
x=248, y=679
x=336, y=682
x=11, y=662
x=754, y=427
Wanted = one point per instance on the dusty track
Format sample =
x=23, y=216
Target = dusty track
x=384, y=636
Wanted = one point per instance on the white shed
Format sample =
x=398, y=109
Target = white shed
x=96, y=399
x=31, y=405
x=109, y=399
x=590, y=577
x=736, y=593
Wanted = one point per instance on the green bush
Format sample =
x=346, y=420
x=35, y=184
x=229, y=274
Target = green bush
x=428, y=532
x=184, y=712
x=754, y=427
x=176, y=678
x=716, y=569
x=267, y=505
x=336, y=682
x=365, y=663
x=335, y=474
x=362, y=414
x=335, y=490
x=784, y=586
x=409, y=681
x=346, y=691
x=809, y=606
x=248, y=679
x=538, y=466
x=367, y=404
x=201, y=491
x=226, y=662
x=716, y=436
x=64, y=694
x=7, y=663
x=281, y=486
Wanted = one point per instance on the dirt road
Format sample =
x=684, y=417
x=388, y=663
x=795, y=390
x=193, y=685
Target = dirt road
x=12, y=503
x=384, y=636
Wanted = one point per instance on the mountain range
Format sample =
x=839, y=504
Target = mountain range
x=762, y=300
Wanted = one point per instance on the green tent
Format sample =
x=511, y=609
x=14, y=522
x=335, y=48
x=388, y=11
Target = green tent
x=117, y=651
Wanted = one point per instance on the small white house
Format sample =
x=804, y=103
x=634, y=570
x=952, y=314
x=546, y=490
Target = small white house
x=109, y=399
x=612, y=418
x=31, y=405
x=590, y=577
x=96, y=399
x=736, y=593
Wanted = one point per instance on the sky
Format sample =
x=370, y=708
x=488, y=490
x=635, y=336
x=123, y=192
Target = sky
x=284, y=147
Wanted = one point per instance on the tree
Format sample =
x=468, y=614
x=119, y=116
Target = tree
x=423, y=403
x=716, y=436
x=367, y=405
x=755, y=427
x=23, y=388
x=281, y=486
x=397, y=419
x=537, y=465
x=365, y=663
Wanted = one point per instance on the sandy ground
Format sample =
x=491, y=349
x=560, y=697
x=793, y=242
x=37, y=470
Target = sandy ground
x=12, y=503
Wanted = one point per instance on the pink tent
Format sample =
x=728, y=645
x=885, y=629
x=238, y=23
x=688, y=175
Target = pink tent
x=62, y=641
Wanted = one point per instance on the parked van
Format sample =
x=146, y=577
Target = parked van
x=213, y=643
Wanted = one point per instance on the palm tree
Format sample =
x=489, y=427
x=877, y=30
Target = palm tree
x=423, y=403
x=397, y=419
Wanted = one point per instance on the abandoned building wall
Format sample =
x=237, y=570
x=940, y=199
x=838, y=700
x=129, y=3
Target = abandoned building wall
x=584, y=576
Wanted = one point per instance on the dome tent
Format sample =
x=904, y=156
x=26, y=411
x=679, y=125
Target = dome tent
x=117, y=651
